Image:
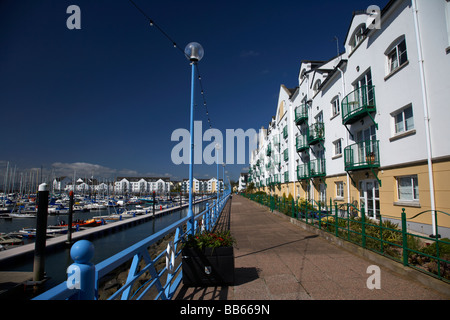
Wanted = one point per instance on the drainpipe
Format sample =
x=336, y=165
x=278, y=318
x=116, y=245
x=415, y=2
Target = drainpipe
x=343, y=95
x=426, y=116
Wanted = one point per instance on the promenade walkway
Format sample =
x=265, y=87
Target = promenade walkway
x=276, y=260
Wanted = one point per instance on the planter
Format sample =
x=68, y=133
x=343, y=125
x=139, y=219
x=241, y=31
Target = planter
x=208, y=267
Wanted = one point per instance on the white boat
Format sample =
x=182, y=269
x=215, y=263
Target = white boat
x=51, y=232
x=58, y=209
x=22, y=215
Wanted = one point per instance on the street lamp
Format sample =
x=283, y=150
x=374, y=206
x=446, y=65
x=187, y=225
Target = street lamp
x=194, y=52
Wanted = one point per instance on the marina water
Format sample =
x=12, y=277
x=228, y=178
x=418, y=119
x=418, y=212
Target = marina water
x=56, y=262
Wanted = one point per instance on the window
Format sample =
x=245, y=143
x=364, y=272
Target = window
x=337, y=147
x=339, y=189
x=397, y=56
x=365, y=88
x=404, y=120
x=357, y=36
x=335, y=109
x=317, y=85
x=408, y=188
x=322, y=193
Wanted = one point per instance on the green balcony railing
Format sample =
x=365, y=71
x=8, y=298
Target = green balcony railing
x=276, y=140
x=317, y=168
x=316, y=133
x=277, y=159
x=286, y=154
x=303, y=172
x=277, y=178
x=302, y=143
x=362, y=155
x=286, y=176
x=269, y=150
x=285, y=132
x=358, y=104
x=301, y=114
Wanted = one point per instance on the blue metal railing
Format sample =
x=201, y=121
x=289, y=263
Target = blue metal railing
x=84, y=278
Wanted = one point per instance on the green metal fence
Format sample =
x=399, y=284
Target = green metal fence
x=430, y=255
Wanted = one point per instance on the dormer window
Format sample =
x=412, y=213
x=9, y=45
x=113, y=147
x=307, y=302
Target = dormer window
x=317, y=85
x=357, y=36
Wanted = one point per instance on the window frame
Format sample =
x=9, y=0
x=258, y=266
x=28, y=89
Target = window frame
x=394, y=50
x=337, y=143
x=414, y=179
x=357, y=37
x=339, y=187
x=402, y=112
x=335, y=107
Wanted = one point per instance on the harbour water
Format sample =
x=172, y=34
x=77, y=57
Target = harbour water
x=56, y=263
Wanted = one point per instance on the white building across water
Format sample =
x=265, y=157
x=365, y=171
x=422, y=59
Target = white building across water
x=370, y=126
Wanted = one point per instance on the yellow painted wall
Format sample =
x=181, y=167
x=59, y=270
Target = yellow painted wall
x=389, y=204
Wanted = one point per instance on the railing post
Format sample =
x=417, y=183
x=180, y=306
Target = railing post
x=213, y=213
x=381, y=234
x=293, y=208
x=41, y=227
x=336, y=226
x=404, y=238
x=81, y=274
x=208, y=218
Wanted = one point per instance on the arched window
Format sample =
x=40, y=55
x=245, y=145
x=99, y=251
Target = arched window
x=396, y=55
x=317, y=85
x=357, y=36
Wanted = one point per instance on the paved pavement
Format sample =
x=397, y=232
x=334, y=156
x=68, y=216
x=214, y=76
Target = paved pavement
x=276, y=260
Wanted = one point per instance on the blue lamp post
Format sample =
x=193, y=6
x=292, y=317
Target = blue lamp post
x=194, y=52
x=223, y=177
x=218, y=147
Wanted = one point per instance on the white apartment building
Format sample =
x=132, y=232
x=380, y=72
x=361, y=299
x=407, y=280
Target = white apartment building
x=202, y=185
x=369, y=126
x=142, y=185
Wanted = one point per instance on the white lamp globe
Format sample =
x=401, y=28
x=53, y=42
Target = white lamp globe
x=194, y=51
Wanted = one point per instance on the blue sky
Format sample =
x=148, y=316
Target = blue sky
x=104, y=100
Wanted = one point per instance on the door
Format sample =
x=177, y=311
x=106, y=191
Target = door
x=369, y=198
x=365, y=90
x=366, y=140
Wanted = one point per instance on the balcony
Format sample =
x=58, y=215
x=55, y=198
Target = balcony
x=269, y=150
x=317, y=168
x=276, y=141
x=302, y=143
x=362, y=155
x=303, y=172
x=358, y=104
x=285, y=132
x=316, y=133
x=286, y=154
x=286, y=176
x=301, y=114
x=276, y=179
